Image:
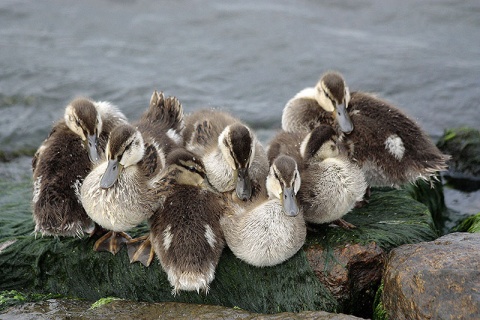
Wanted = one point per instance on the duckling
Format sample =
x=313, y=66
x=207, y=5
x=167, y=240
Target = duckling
x=63, y=160
x=120, y=192
x=331, y=184
x=233, y=157
x=391, y=149
x=186, y=232
x=274, y=229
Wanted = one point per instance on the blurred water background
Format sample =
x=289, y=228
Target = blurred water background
x=247, y=57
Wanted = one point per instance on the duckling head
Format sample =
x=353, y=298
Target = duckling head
x=125, y=148
x=333, y=95
x=321, y=143
x=237, y=144
x=283, y=182
x=187, y=168
x=82, y=118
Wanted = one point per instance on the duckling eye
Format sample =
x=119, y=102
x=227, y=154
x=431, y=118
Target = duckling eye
x=128, y=146
x=192, y=169
x=77, y=122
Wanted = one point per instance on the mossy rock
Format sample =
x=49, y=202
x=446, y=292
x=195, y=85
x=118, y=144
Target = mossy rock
x=391, y=218
x=470, y=224
x=10, y=298
x=430, y=193
x=463, y=144
x=69, y=266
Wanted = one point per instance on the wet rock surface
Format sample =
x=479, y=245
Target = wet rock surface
x=122, y=309
x=434, y=280
x=351, y=272
x=463, y=144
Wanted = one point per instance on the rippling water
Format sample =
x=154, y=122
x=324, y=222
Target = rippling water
x=247, y=57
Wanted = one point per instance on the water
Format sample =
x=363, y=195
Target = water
x=246, y=57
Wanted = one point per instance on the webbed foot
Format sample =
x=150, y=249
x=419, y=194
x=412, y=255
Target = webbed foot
x=111, y=242
x=141, y=249
x=344, y=224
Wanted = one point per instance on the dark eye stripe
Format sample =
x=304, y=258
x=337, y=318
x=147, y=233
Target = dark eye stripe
x=129, y=145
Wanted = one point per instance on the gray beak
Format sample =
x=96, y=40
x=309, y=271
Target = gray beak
x=92, y=148
x=111, y=174
x=244, y=185
x=343, y=119
x=289, y=202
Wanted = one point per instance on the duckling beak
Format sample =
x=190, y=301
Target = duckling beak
x=289, y=202
x=111, y=174
x=244, y=185
x=343, y=118
x=92, y=148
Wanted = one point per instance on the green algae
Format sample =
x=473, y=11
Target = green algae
x=470, y=224
x=379, y=312
x=102, y=302
x=430, y=193
x=463, y=144
x=10, y=298
x=391, y=218
x=70, y=267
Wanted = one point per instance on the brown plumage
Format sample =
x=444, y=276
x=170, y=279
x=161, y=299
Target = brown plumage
x=286, y=143
x=390, y=148
x=186, y=232
x=63, y=161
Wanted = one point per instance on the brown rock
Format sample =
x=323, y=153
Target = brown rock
x=434, y=280
x=352, y=272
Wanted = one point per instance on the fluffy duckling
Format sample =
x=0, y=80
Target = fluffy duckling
x=233, y=157
x=273, y=230
x=331, y=184
x=186, y=232
x=62, y=162
x=391, y=149
x=120, y=193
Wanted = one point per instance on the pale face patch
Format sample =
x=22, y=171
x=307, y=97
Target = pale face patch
x=73, y=122
x=296, y=182
x=226, y=150
x=322, y=98
x=135, y=153
x=274, y=188
x=167, y=238
x=394, y=145
x=210, y=236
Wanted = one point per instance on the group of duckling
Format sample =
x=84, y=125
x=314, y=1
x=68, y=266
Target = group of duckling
x=203, y=180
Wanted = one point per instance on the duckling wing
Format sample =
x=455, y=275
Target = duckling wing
x=205, y=125
x=151, y=163
x=163, y=117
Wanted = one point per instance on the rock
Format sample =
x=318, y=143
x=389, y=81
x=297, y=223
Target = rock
x=69, y=267
x=352, y=273
x=463, y=144
x=434, y=280
x=350, y=262
x=123, y=309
